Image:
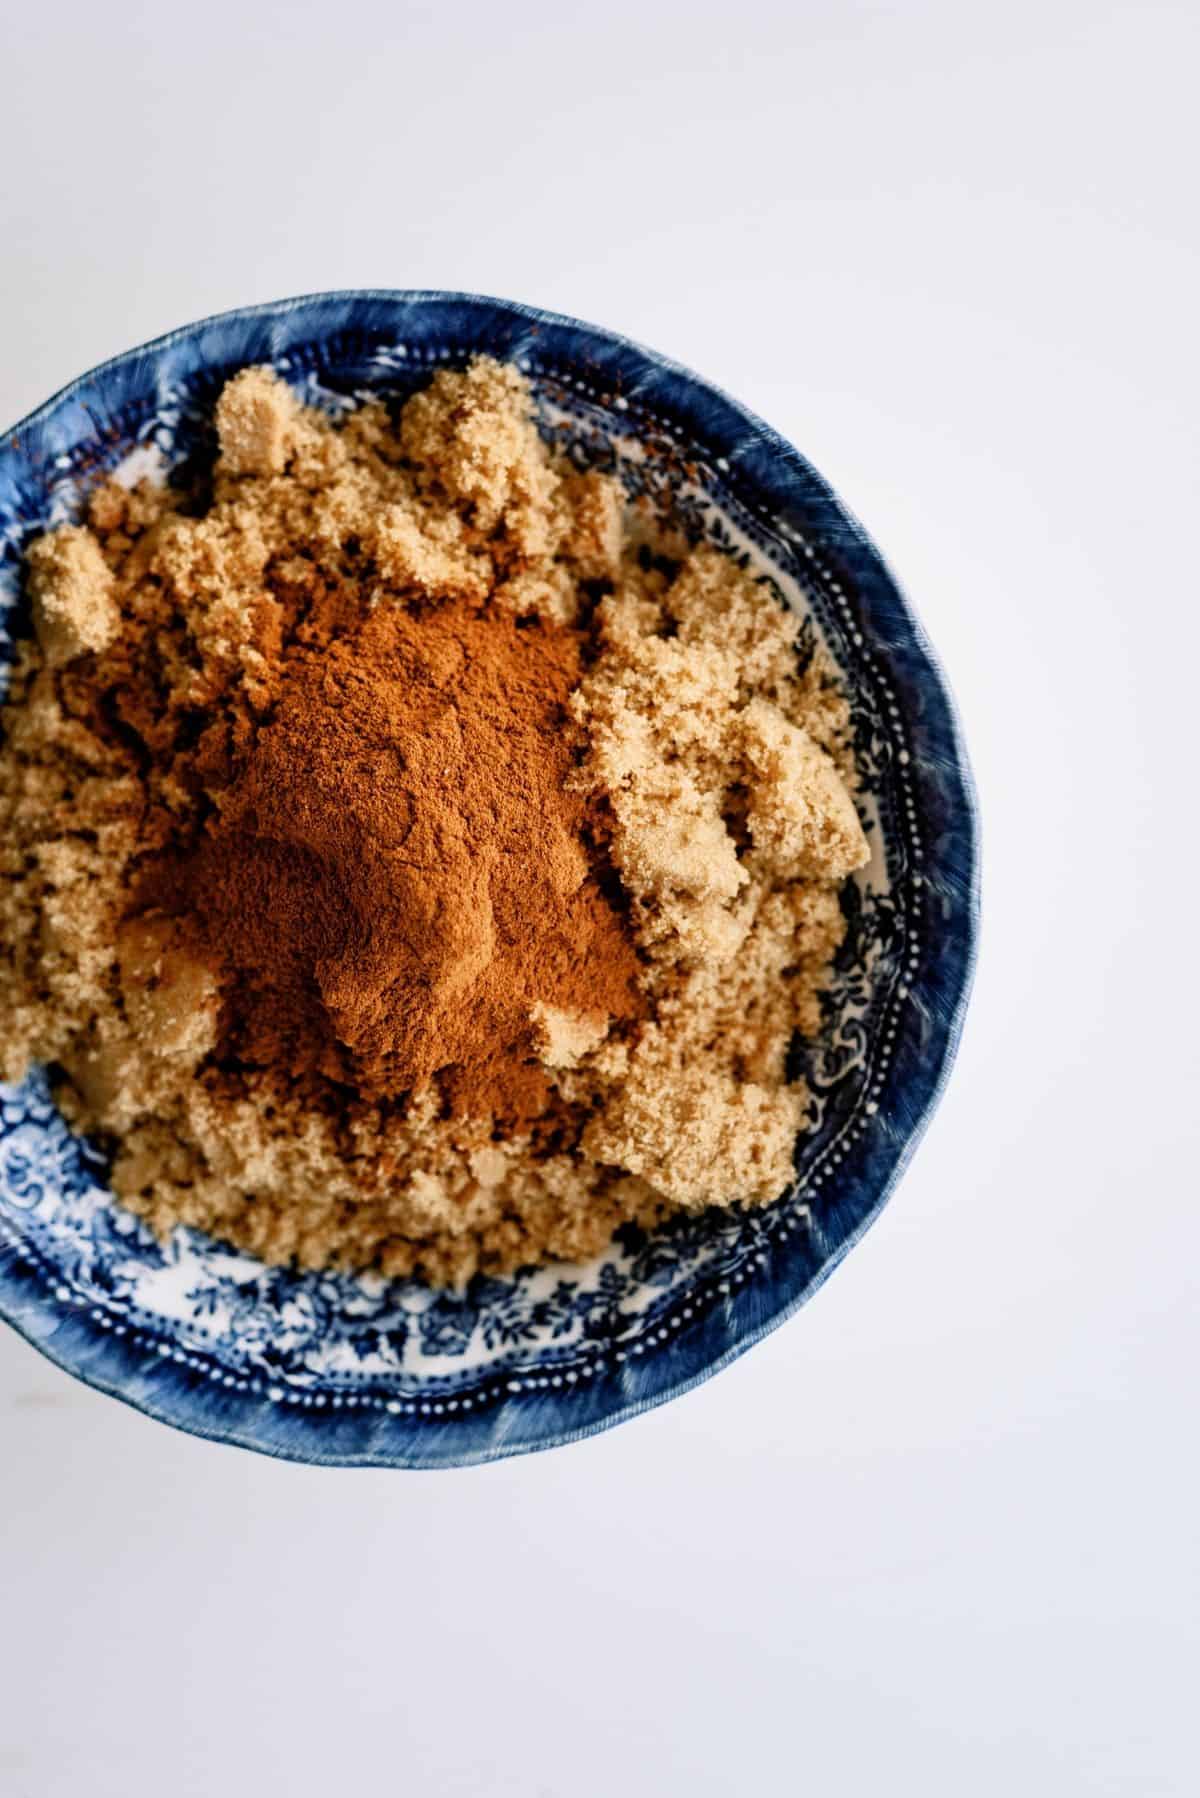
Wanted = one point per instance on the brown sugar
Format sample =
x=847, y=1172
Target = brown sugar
x=405, y=869
x=71, y=587
x=255, y=418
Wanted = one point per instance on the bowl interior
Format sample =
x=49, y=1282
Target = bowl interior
x=354, y=1369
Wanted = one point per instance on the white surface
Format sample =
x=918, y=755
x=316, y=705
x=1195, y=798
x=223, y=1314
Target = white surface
x=938, y=1535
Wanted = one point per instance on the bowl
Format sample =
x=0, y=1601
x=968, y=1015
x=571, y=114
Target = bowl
x=356, y=1371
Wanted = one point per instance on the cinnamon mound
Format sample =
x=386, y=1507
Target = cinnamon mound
x=398, y=874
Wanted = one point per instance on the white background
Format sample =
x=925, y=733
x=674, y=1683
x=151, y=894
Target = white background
x=938, y=1535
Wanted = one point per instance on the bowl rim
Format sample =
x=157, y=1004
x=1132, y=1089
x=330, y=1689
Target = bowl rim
x=29, y=1306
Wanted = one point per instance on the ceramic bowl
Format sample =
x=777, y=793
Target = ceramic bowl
x=356, y=1371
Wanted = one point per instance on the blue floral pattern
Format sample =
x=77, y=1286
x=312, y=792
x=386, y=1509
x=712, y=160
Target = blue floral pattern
x=332, y=1367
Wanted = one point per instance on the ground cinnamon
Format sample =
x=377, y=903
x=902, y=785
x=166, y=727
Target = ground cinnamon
x=397, y=880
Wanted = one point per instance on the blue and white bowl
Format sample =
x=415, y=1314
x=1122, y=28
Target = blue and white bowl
x=355, y=1371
